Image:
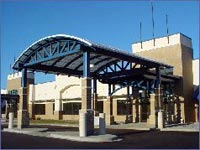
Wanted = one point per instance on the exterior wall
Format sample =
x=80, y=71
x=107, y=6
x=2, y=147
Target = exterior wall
x=178, y=53
x=162, y=43
x=45, y=91
x=70, y=117
x=195, y=68
x=44, y=117
x=68, y=90
x=14, y=83
x=14, y=80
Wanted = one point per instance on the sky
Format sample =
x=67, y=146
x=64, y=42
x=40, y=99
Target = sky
x=113, y=23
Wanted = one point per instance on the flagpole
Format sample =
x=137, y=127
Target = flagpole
x=167, y=28
x=141, y=33
x=152, y=22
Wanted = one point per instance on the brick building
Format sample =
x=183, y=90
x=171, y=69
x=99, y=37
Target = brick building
x=64, y=94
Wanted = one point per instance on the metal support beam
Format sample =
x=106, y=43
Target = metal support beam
x=86, y=64
x=24, y=78
x=95, y=85
x=109, y=89
x=113, y=88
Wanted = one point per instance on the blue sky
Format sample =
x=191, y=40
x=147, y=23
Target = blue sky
x=114, y=23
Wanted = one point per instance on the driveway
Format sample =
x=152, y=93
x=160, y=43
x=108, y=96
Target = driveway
x=131, y=139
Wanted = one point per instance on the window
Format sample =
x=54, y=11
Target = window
x=99, y=106
x=121, y=107
x=71, y=108
x=40, y=109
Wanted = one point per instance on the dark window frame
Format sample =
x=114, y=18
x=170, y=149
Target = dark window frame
x=71, y=108
x=40, y=109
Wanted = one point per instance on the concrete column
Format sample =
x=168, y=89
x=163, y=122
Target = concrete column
x=152, y=117
x=86, y=122
x=11, y=117
x=58, y=109
x=135, y=110
x=159, y=96
x=86, y=93
x=86, y=115
x=177, y=111
x=102, y=123
x=108, y=111
x=139, y=110
x=82, y=123
x=160, y=119
x=196, y=112
x=181, y=110
x=22, y=114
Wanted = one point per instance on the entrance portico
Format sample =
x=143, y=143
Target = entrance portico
x=73, y=56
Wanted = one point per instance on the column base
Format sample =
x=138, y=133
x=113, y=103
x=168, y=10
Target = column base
x=22, y=119
x=11, y=118
x=102, y=124
x=86, y=122
x=58, y=115
x=161, y=120
x=151, y=120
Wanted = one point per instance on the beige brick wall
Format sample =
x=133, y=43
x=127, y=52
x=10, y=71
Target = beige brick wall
x=14, y=82
x=49, y=109
x=195, y=68
x=70, y=117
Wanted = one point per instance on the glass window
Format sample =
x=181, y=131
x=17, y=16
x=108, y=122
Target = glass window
x=40, y=109
x=121, y=107
x=71, y=108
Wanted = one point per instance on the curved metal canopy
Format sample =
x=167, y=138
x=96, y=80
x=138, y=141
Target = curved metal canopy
x=63, y=54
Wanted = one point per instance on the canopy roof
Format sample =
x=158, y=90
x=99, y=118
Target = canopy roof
x=63, y=54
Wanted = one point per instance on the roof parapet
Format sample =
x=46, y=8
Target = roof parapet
x=174, y=39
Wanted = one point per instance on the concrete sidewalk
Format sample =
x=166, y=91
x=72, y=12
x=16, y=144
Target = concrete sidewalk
x=193, y=127
x=67, y=135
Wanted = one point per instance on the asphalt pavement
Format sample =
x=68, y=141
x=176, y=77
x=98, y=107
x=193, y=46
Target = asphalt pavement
x=134, y=139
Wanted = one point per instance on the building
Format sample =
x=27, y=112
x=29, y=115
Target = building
x=175, y=50
x=61, y=99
